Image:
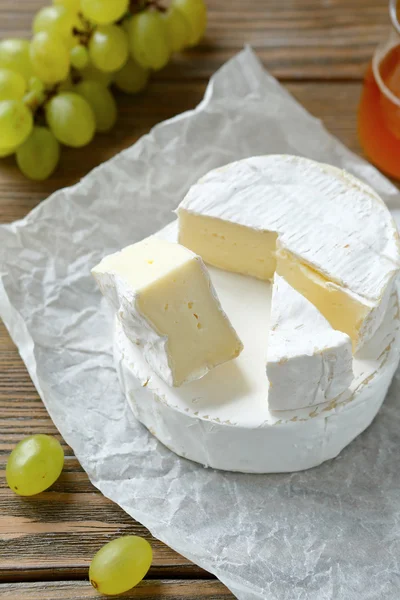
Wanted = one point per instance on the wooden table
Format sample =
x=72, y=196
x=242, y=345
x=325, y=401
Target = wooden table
x=319, y=49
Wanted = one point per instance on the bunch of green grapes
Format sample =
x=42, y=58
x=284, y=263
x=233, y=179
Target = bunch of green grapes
x=54, y=89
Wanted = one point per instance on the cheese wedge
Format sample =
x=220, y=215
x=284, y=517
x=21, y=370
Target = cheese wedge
x=328, y=234
x=167, y=304
x=308, y=362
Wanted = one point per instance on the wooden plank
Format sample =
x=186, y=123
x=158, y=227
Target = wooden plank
x=297, y=39
x=146, y=590
x=54, y=535
x=335, y=103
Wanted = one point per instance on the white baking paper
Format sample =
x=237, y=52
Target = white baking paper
x=329, y=533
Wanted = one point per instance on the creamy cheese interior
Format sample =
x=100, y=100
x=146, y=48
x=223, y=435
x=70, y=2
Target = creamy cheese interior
x=182, y=307
x=229, y=246
x=253, y=252
x=345, y=312
x=165, y=300
x=145, y=262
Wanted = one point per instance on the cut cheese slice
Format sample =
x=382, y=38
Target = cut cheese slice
x=167, y=304
x=327, y=233
x=308, y=362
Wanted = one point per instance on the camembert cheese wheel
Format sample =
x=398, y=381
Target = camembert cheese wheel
x=224, y=420
x=329, y=235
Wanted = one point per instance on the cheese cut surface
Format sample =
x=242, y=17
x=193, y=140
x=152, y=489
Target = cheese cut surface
x=168, y=306
x=308, y=362
x=327, y=233
x=223, y=420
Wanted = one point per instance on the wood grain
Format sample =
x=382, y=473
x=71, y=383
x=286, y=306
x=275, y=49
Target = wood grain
x=54, y=535
x=146, y=590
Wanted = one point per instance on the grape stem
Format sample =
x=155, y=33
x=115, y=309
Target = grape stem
x=84, y=34
x=36, y=105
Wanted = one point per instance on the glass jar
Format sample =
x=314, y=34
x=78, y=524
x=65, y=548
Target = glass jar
x=379, y=110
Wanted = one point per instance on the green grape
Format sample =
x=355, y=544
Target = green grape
x=178, y=29
x=72, y=5
x=79, y=57
x=101, y=101
x=120, y=565
x=16, y=123
x=38, y=156
x=132, y=78
x=108, y=48
x=34, y=465
x=14, y=55
x=148, y=40
x=71, y=119
x=195, y=13
x=12, y=85
x=90, y=72
x=104, y=12
x=58, y=21
x=35, y=85
x=49, y=57
x=7, y=151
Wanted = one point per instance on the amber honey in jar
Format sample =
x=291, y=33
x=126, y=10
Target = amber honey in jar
x=379, y=110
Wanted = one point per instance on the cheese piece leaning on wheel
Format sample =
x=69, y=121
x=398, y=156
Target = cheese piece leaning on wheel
x=167, y=304
x=308, y=362
x=328, y=234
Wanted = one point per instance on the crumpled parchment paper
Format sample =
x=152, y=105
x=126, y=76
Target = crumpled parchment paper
x=329, y=533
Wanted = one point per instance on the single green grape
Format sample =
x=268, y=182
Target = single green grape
x=148, y=40
x=79, y=57
x=195, y=13
x=178, y=29
x=16, y=123
x=90, y=72
x=58, y=21
x=108, y=48
x=120, y=565
x=101, y=102
x=38, y=156
x=7, y=151
x=104, y=12
x=35, y=85
x=12, y=85
x=49, y=57
x=71, y=119
x=132, y=78
x=72, y=5
x=34, y=465
x=14, y=55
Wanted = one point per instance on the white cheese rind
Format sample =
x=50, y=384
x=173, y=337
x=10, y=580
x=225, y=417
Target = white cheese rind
x=223, y=420
x=308, y=362
x=324, y=218
x=167, y=305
